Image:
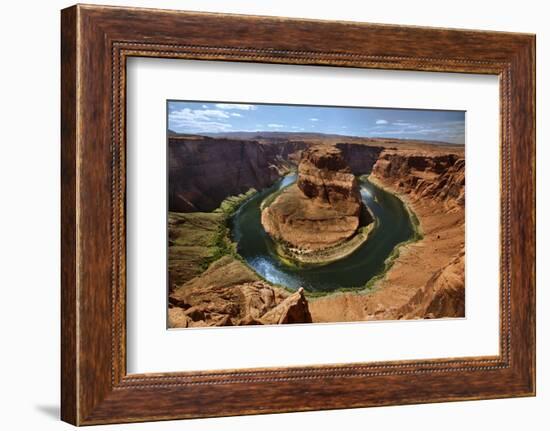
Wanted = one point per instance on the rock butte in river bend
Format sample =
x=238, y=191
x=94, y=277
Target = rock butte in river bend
x=322, y=209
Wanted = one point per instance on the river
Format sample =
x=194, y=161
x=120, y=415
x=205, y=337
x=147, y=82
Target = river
x=354, y=271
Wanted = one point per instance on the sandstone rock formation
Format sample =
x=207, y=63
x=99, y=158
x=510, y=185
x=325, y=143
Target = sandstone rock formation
x=294, y=309
x=359, y=157
x=443, y=295
x=439, y=177
x=203, y=171
x=322, y=209
x=228, y=293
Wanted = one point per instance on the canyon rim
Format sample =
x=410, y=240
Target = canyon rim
x=281, y=214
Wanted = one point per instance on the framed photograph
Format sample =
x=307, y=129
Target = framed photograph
x=314, y=218
x=322, y=214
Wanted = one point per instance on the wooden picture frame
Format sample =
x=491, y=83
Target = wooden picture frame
x=95, y=43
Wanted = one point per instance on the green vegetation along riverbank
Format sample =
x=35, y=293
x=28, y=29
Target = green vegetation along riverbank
x=394, y=255
x=197, y=239
x=296, y=257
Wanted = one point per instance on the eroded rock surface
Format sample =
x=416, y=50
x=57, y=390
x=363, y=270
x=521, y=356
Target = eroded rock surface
x=203, y=171
x=440, y=178
x=228, y=293
x=443, y=295
x=294, y=309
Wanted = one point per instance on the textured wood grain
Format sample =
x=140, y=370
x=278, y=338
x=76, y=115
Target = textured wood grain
x=69, y=396
x=96, y=41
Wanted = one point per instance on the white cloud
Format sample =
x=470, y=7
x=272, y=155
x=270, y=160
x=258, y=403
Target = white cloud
x=381, y=122
x=198, y=120
x=188, y=114
x=235, y=114
x=275, y=125
x=239, y=106
x=204, y=106
x=313, y=119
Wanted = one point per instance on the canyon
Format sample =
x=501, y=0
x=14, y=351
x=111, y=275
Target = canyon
x=210, y=285
x=204, y=170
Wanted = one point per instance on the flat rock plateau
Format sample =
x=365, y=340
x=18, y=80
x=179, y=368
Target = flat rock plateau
x=210, y=176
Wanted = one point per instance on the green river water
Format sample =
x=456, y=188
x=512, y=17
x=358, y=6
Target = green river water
x=394, y=226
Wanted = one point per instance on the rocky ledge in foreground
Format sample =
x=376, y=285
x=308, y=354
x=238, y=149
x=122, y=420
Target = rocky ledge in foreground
x=228, y=293
x=321, y=217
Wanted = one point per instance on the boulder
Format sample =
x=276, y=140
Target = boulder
x=294, y=309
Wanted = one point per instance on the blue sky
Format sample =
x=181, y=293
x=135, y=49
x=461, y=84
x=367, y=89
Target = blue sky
x=213, y=117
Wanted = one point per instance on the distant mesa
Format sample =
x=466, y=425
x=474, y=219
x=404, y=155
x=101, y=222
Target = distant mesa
x=312, y=220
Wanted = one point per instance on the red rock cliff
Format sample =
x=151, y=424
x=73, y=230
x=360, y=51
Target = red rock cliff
x=438, y=177
x=204, y=171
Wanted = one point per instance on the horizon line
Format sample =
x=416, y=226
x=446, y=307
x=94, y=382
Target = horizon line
x=313, y=133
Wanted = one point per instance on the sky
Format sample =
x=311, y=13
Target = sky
x=213, y=117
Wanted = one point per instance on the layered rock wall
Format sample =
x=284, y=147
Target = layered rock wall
x=204, y=171
x=359, y=157
x=440, y=177
x=442, y=296
x=324, y=175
